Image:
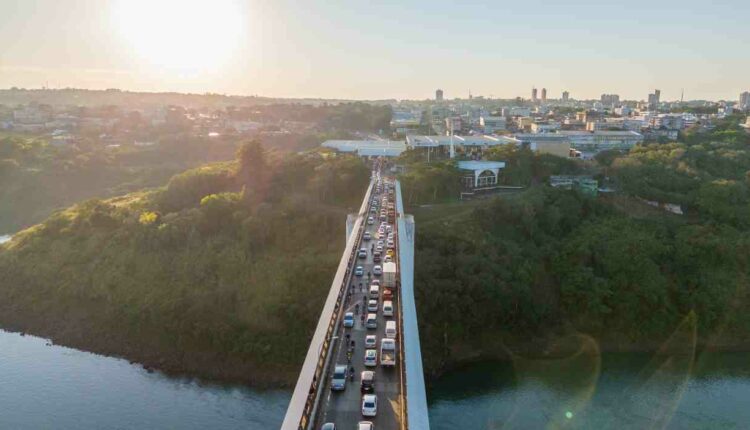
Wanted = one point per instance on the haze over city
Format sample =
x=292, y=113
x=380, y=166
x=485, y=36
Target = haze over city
x=364, y=50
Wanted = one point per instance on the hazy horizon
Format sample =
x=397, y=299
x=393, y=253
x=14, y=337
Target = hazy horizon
x=364, y=51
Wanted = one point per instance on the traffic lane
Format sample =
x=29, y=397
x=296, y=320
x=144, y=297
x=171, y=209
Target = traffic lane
x=387, y=379
x=344, y=408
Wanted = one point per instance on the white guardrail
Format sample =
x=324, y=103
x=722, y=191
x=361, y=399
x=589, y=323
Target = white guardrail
x=414, y=391
x=306, y=396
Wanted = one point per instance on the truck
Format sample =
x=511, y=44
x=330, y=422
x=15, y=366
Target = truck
x=389, y=275
x=387, y=352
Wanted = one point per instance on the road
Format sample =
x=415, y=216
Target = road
x=343, y=408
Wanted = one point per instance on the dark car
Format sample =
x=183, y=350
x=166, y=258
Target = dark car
x=367, y=384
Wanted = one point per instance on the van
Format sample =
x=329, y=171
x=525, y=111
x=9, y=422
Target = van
x=387, y=308
x=374, y=291
x=372, y=322
x=390, y=329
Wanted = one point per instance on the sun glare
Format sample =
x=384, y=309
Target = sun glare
x=184, y=36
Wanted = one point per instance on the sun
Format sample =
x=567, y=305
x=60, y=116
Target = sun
x=186, y=36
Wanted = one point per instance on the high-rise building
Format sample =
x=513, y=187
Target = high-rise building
x=610, y=100
x=653, y=100
x=744, y=100
x=544, y=95
x=439, y=95
x=565, y=96
x=533, y=95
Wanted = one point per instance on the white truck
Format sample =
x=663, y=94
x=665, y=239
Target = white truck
x=387, y=352
x=389, y=275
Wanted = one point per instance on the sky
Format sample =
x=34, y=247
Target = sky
x=380, y=49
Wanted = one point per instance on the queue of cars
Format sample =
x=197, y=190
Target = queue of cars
x=378, y=298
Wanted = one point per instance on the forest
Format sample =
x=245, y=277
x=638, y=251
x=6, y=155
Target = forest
x=221, y=273
x=38, y=177
x=547, y=262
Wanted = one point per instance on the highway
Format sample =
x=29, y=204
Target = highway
x=343, y=408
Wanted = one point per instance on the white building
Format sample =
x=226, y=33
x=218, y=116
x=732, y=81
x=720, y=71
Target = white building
x=516, y=111
x=368, y=148
x=595, y=141
x=545, y=143
x=491, y=124
x=668, y=121
x=480, y=174
x=549, y=127
x=631, y=124
x=623, y=110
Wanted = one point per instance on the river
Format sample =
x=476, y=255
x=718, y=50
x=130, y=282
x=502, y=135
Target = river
x=53, y=387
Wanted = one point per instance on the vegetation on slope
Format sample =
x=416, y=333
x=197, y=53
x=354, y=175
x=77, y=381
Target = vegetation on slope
x=548, y=262
x=221, y=273
x=37, y=177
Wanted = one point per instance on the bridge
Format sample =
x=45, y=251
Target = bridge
x=346, y=324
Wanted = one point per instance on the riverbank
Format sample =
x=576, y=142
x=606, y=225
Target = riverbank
x=624, y=393
x=48, y=386
x=148, y=353
x=509, y=349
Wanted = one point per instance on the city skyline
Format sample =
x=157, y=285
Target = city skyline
x=281, y=49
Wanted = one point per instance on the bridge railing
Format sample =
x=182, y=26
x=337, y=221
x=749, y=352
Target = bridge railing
x=413, y=389
x=303, y=406
x=402, y=345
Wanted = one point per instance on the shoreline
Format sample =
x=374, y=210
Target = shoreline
x=215, y=368
x=531, y=350
x=203, y=367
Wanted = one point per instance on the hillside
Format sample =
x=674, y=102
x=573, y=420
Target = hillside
x=521, y=273
x=37, y=177
x=220, y=274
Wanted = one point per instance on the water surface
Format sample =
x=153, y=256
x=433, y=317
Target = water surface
x=629, y=393
x=53, y=387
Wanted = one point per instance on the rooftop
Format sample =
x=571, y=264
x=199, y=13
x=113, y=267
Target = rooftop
x=386, y=148
x=481, y=165
x=418, y=141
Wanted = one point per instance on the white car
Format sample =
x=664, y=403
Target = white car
x=372, y=305
x=365, y=425
x=371, y=341
x=371, y=358
x=369, y=405
x=367, y=236
x=372, y=321
x=387, y=308
x=370, y=220
x=359, y=271
x=388, y=259
x=377, y=270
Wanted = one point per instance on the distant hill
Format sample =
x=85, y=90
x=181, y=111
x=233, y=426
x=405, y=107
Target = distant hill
x=135, y=99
